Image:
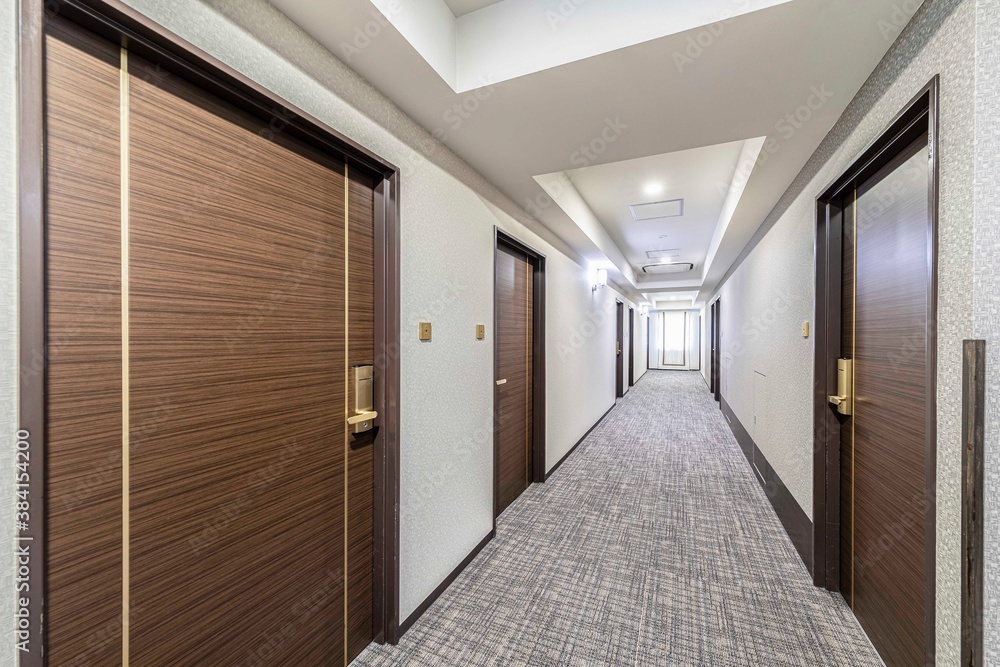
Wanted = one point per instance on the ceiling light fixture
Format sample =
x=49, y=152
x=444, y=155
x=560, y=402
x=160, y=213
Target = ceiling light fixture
x=653, y=188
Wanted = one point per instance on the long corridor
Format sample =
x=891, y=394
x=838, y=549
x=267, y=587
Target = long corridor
x=653, y=544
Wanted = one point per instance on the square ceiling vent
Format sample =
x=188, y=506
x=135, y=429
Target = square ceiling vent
x=671, y=208
x=673, y=267
x=663, y=254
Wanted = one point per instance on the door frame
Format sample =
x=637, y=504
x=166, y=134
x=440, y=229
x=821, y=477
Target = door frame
x=901, y=131
x=619, y=345
x=537, y=261
x=119, y=23
x=631, y=346
x=716, y=349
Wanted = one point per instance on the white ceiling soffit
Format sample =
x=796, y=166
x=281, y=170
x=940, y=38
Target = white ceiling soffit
x=463, y=7
x=605, y=202
x=504, y=40
x=672, y=300
x=782, y=75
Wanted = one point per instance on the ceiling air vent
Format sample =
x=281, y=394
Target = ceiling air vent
x=676, y=267
x=672, y=208
x=663, y=254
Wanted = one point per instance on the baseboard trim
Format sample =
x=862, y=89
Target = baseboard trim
x=580, y=441
x=443, y=586
x=793, y=518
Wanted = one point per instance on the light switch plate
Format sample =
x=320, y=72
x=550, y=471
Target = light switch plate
x=805, y=330
x=425, y=331
x=480, y=331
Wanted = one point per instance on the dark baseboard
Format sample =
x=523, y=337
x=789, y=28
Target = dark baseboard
x=436, y=593
x=578, y=442
x=793, y=518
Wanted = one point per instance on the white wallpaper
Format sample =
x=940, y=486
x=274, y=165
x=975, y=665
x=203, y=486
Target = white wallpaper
x=987, y=295
x=8, y=316
x=770, y=294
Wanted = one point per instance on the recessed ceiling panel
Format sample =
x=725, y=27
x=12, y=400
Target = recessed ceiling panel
x=673, y=208
x=663, y=254
x=671, y=267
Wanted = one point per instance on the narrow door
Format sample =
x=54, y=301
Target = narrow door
x=619, y=349
x=884, y=468
x=209, y=289
x=631, y=346
x=513, y=396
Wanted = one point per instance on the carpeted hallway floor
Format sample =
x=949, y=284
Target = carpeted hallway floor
x=653, y=544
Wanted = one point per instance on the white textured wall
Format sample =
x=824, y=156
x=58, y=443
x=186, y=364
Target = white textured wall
x=987, y=295
x=8, y=316
x=766, y=299
x=447, y=211
x=641, y=345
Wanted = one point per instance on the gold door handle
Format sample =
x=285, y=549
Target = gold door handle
x=843, y=400
x=500, y=382
x=362, y=417
x=618, y=347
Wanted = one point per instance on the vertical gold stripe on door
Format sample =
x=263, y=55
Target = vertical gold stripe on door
x=347, y=388
x=124, y=300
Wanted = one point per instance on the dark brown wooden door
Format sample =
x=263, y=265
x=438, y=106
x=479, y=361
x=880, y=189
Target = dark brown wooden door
x=620, y=350
x=513, y=391
x=210, y=284
x=884, y=469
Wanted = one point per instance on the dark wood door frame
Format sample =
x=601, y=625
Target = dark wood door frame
x=920, y=115
x=619, y=349
x=631, y=346
x=717, y=350
x=119, y=23
x=537, y=260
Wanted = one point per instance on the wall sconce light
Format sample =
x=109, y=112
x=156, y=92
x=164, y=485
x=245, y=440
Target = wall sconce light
x=644, y=310
x=600, y=279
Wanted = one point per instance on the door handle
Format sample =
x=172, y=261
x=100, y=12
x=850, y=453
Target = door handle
x=363, y=421
x=500, y=382
x=843, y=400
x=618, y=347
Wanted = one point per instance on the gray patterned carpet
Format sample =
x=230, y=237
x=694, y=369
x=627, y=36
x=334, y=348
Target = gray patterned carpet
x=653, y=544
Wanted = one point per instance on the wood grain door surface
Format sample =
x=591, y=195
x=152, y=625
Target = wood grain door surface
x=210, y=282
x=513, y=396
x=883, y=445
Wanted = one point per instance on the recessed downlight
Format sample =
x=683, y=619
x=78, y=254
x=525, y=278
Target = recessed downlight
x=653, y=188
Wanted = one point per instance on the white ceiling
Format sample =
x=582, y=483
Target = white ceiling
x=738, y=74
x=699, y=176
x=463, y=7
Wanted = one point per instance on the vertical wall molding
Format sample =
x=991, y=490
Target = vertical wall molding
x=973, y=436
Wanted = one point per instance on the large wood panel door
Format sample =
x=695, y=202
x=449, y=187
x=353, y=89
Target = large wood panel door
x=513, y=397
x=210, y=285
x=885, y=502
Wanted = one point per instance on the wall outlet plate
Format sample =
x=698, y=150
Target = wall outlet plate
x=425, y=331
